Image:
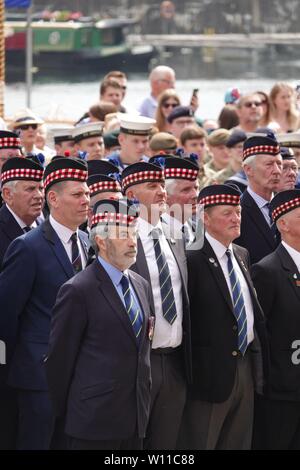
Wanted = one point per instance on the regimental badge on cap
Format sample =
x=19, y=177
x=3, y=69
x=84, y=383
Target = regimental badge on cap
x=135, y=125
x=19, y=168
x=284, y=202
x=9, y=140
x=141, y=172
x=260, y=145
x=114, y=212
x=218, y=195
x=65, y=169
x=86, y=131
x=62, y=134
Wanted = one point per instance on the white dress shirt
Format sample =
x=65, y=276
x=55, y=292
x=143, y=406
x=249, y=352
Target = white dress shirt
x=294, y=254
x=64, y=234
x=165, y=334
x=20, y=221
x=220, y=252
x=262, y=204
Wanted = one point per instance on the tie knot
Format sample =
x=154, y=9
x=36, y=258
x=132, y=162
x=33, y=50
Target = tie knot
x=228, y=253
x=74, y=237
x=27, y=228
x=155, y=233
x=124, y=282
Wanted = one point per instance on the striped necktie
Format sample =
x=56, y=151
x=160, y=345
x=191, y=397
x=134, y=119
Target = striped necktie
x=239, y=309
x=165, y=282
x=273, y=226
x=132, y=308
x=76, y=258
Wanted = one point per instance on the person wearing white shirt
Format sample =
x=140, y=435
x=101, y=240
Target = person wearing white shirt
x=277, y=281
x=162, y=262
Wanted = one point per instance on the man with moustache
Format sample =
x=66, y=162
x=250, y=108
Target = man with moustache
x=262, y=163
x=161, y=261
x=34, y=267
x=100, y=377
x=277, y=282
x=225, y=317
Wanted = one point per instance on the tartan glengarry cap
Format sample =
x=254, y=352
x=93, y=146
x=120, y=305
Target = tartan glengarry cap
x=260, y=145
x=219, y=195
x=103, y=167
x=65, y=169
x=178, y=168
x=135, y=125
x=103, y=183
x=284, y=202
x=92, y=129
x=9, y=140
x=141, y=172
x=20, y=168
x=114, y=212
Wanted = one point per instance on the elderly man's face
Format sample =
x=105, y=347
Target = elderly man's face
x=119, y=248
x=223, y=223
x=265, y=172
x=26, y=199
x=288, y=176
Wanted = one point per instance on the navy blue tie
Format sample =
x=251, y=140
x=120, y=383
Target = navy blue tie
x=165, y=282
x=132, y=308
x=76, y=258
x=273, y=227
x=239, y=309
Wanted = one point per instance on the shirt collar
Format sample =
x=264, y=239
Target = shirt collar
x=64, y=233
x=114, y=273
x=17, y=218
x=173, y=223
x=145, y=229
x=217, y=246
x=260, y=201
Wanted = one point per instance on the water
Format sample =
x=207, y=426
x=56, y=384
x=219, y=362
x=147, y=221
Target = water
x=68, y=101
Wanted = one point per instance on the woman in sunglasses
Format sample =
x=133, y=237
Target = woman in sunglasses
x=167, y=101
x=26, y=124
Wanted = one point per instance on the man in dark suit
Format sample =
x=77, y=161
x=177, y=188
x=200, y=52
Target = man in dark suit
x=22, y=189
x=98, y=365
x=262, y=164
x=10, y=146
x=34, y=268
x=23, y=194
x=225, y=317
x=162, y=262
x=277, y=281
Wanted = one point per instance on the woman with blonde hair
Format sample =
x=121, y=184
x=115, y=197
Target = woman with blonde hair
x=284, y=116
x=167, y=101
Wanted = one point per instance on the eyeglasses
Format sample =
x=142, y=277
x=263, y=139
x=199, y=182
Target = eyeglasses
x=170, y=105
x=249, y=104
x=25, y=127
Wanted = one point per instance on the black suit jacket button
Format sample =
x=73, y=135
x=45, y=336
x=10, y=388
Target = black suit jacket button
x=234, y=328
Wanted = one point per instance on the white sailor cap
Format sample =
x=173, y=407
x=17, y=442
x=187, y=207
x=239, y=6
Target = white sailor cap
x=290, y=139
x=92, y=129
x=62, y=134
x=136, y=125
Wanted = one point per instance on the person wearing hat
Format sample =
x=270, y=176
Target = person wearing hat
x=26, y=123
x=262, y=163
x=180, y=118
x=64, y=141
x=289, y=173
x=88, y=138
x=219, y=161
x=100, y=378
x=134, y=139
x=10, y=146
x=103, y=186
x=162, y=142
x=161, y=261
x=22, y=189
x=277, y=281
x=181, y=175
x=37, y=264
x=235, y=173
x=291, y=140
x=227, y=327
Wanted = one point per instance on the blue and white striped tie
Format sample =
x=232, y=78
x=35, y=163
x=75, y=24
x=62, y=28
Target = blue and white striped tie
x=132, y=308
x=239, y=309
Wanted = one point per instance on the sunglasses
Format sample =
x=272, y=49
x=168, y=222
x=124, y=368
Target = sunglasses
x=249, y=104
x=170, y=105
x=25, y=127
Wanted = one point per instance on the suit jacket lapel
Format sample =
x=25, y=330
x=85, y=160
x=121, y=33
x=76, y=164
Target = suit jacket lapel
x=84, y=244
x=58, y=248
x=141, y=262
x=108, y=290
x=256, y=215
x=178, y=252
x=217, y=272
x=10, y=226
x=290, y=268
x=139, y=292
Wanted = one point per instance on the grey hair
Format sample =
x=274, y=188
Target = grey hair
x=171, y=186
x=100, y=230
x=12, y=185
x=249, y=161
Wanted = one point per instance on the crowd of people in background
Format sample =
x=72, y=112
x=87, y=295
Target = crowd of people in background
x=131, y=320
